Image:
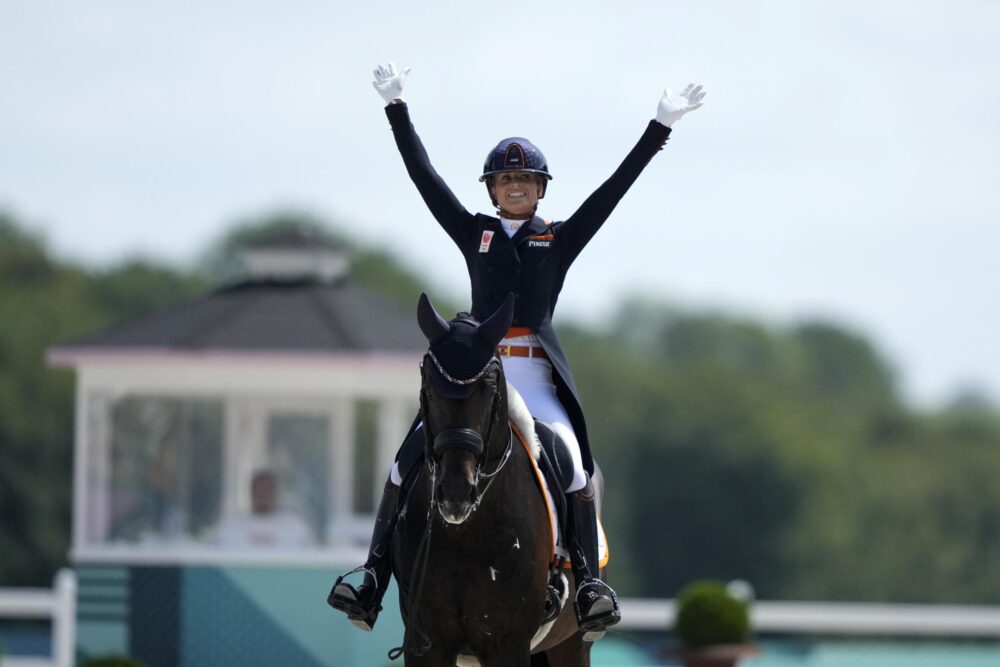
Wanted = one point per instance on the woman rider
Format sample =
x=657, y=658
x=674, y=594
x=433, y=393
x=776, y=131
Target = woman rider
x=515, y=251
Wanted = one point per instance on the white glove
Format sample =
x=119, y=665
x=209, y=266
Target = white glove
x=389, y=83
x=672, y=109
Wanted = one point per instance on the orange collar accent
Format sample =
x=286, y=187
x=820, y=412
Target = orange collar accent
x=515, y=332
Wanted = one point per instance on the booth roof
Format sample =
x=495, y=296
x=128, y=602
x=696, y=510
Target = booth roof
x=273, y=316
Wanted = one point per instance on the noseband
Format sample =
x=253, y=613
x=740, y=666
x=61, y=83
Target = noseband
x=458, y=438
x=464, y=438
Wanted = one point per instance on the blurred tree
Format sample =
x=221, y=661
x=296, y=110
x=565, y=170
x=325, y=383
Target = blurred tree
x=764, y=454
x=373, y=268
x=138, y=287
x=844, y=366
x=719, y=482
x=35, y=410
x=44, y=301
x=222, y=262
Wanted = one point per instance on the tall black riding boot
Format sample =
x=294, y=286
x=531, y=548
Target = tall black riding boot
x=362, y=604
x=596, y=604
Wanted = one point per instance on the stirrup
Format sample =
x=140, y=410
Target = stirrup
x=555, y=597
x=601, y=613
x=347, y=598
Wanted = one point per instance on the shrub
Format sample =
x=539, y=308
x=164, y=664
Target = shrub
x=112, y=661
x=707, y=614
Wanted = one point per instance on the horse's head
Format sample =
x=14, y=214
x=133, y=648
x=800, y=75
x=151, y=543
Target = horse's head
x=462, y=394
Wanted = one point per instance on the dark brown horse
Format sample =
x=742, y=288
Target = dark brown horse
x=473, y=545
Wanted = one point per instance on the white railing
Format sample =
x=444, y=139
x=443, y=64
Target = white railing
x=837, y=618
x=57, y=604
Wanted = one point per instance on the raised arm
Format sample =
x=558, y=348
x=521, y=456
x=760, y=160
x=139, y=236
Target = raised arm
x=580, y=227
x=440, y=200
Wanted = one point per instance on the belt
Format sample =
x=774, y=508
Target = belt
x=530, y=351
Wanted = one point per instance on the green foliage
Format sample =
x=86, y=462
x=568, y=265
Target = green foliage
x=843, y=366
x=386, y=275
x=221, y=263
x=138, y=287
x=112, y=661
x=370, y=267
x=782, y=456
x=44, y=302
x=35, y=409
x=707, y=615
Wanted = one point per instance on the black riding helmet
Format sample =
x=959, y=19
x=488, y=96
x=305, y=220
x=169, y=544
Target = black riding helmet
x=515, y=154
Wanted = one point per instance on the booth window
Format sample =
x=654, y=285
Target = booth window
x=165, y=468
x=365, y=451
x=298, y=453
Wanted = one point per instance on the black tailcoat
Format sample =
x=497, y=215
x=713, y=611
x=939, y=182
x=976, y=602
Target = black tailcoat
x=533, y=264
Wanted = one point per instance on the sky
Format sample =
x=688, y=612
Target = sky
x=843, y=166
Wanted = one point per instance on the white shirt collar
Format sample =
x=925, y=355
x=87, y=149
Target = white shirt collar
x=511, y=226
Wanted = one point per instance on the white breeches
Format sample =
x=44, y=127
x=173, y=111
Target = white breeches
x=533, y=379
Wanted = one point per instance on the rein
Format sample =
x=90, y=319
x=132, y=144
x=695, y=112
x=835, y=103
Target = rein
x=423, y=557
x=419, y=570
x=491, y=476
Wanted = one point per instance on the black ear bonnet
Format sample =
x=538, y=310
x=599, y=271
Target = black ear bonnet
x=462, y=354
x=462, y=350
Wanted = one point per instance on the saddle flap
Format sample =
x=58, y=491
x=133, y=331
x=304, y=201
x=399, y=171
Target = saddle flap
x=557, y=455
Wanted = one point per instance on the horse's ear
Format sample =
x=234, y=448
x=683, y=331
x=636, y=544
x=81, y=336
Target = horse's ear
x=433, y=325
x=496, y=325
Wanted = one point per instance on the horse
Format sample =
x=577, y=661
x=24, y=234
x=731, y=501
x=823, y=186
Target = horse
x=472, y=548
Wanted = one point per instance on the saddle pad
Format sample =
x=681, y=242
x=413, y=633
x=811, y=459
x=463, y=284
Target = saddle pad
x=558, y=549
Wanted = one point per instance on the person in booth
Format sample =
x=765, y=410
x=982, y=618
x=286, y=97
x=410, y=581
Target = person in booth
x=266, y=526
x=516, y=251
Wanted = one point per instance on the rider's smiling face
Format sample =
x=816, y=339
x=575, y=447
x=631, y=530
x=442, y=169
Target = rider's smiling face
x=517, y=192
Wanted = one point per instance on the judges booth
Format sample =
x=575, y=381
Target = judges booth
x=229, y=453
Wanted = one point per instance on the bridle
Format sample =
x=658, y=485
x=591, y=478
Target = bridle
x=437, y=444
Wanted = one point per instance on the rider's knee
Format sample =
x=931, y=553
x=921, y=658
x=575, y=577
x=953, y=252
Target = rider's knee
x=567, y=435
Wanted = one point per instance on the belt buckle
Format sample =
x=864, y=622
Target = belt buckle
x=504, y=350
